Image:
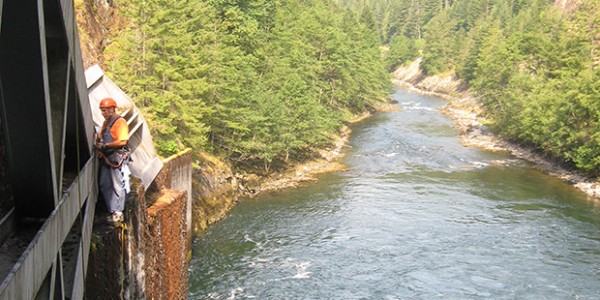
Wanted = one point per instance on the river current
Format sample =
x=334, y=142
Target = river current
x=416, y=216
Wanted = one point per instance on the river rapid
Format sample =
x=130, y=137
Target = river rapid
x=416, y=216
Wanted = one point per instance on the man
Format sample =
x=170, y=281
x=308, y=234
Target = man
x=114, y=155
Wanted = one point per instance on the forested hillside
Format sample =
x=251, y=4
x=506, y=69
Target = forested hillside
x=257, y=82
x=261, y=82
x=534, y=64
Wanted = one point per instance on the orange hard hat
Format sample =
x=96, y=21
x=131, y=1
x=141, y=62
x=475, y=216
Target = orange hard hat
x=108, y=102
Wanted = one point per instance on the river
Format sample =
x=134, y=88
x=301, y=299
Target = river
x=416, y=216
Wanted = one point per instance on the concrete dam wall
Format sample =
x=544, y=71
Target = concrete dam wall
x=146, y=257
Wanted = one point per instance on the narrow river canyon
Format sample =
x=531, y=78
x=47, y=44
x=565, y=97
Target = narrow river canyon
x=415, y=216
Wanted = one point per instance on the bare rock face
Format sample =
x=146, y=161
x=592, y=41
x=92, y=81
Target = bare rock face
x=448, y=84
x=96, y=19
x=215, y=191
x=410, y=73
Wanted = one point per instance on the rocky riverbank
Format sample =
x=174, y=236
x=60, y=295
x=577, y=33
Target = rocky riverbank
x=217, y=188
x=466, y=113
x=327, y=160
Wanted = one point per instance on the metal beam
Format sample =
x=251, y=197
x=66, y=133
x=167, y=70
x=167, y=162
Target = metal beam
x=24, y=110
x=48, y=128
x=82, y=258
x=54, y=152
x=28, y=274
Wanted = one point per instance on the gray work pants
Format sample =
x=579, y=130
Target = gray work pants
x=114, y=186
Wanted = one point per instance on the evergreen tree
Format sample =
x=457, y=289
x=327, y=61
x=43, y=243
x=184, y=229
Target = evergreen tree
x=401, y=50
x=439, y=36
x=257, y=82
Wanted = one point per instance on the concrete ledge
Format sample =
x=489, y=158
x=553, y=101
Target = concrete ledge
x=166, y=252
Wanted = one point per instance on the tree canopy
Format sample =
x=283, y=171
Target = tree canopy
x=260, y=82
x=535, y=66
x=257, y=82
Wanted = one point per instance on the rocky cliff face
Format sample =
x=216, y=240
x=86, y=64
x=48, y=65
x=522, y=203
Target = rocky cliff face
x=96, y=19
x=412, y=75
x=215, y=191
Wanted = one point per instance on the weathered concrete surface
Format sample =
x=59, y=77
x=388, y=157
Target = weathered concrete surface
x=146, y=256
x=105, y=269
x=166, y=256
x=116, y=261
x=177, y=174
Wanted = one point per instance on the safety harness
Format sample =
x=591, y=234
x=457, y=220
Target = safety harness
x=104, y=154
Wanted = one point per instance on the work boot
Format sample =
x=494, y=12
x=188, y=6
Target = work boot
x=115, y=217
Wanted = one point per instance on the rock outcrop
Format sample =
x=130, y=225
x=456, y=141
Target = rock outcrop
x=96, y=19
x=215, y=191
